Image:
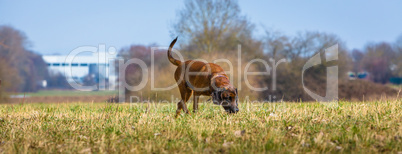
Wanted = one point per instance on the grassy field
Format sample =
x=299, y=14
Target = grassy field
x=69, y=93
x=151, y=128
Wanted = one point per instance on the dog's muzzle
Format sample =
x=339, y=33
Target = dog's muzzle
x=231, y=109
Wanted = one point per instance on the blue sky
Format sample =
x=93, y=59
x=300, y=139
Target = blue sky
x=58, y=27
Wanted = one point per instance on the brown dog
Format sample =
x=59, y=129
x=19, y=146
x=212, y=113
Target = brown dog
x=199, y=78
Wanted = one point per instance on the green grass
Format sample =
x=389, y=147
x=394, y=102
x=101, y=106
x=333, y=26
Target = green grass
x=151, y=128
x=70, y=93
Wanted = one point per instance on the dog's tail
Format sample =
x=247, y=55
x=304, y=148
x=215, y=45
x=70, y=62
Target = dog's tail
x=169, y=54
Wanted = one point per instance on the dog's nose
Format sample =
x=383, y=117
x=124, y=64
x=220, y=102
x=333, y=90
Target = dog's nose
x=237, y=110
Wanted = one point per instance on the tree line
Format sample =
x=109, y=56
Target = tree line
x=22, y=70
x=213, y=29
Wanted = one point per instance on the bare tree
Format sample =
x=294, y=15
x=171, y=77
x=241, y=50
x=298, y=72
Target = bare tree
x=11, y=57
x=398, y=43
x=378, y=61
x=210, y=25
x=20, y=69
x=308, y=43
x=133, y=74
x=357, y=56
x=297, y=50
x=276, y=43
x=397, y=60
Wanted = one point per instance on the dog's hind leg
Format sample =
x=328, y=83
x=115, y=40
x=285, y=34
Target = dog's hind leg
x=185, y=96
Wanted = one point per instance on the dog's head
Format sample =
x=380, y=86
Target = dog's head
x=227, y=97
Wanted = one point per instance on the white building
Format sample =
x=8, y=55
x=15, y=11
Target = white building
x=96, y=65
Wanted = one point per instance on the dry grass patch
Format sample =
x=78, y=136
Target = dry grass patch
x=276, y=127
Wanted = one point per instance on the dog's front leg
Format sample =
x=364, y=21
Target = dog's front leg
x=195, y=102
x=185, y=109
x=181, y=106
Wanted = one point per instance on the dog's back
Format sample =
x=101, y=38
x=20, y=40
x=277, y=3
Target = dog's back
x=197, y=75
